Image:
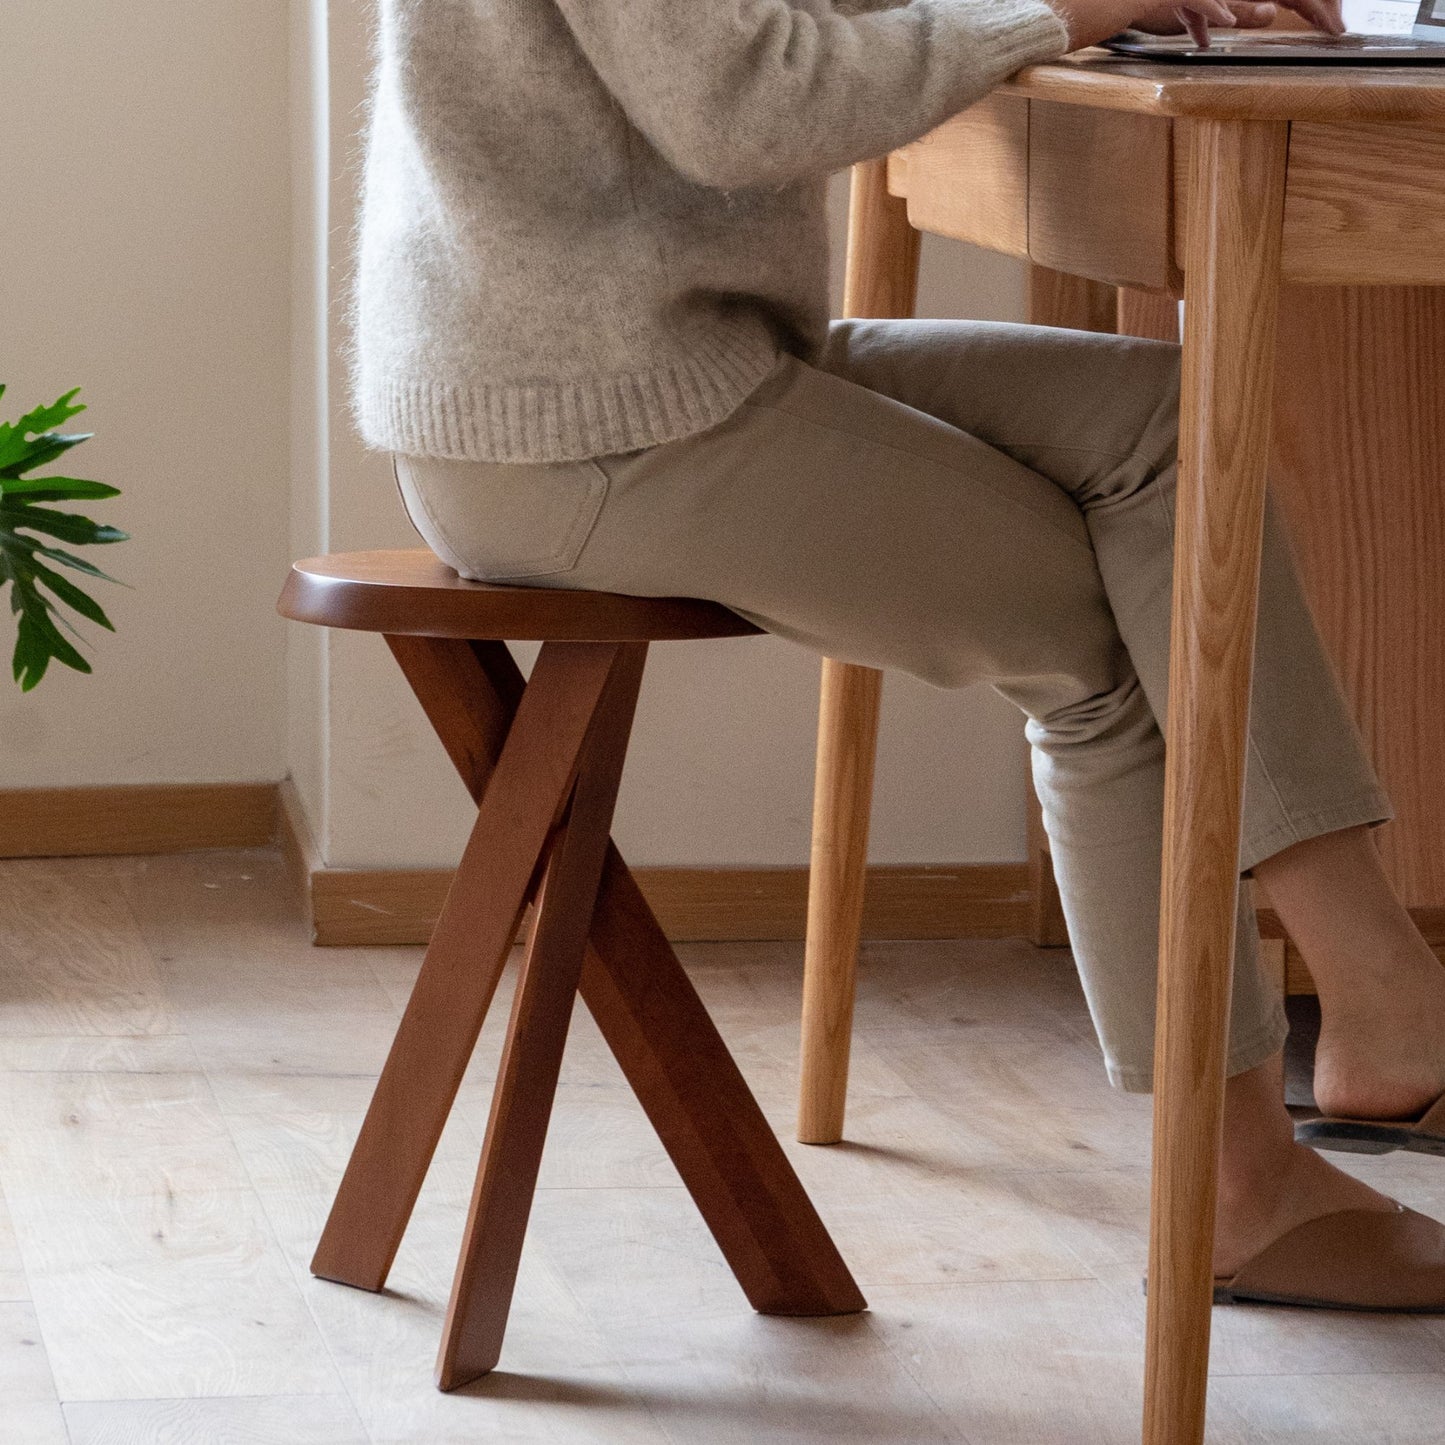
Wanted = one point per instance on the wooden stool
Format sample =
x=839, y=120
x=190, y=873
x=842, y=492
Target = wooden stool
x=542, y=759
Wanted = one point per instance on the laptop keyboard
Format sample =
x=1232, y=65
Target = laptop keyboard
x=1314, y=41
x=1255, y=44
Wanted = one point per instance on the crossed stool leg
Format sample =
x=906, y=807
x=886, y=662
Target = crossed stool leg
x=543, y=759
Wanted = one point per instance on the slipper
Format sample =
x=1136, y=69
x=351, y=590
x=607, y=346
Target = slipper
x=1425, y=1135
x=1354, y=1259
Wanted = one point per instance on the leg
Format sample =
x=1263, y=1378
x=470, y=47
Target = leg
x=541, y=1010
x=847, y=744
x=861, y=519
x=1047, y=927
x=1232, y=268
x=1146, y=313
x=703, y=1111
x=523, y=800
x=1058, y=299
x=1381, y=1053
x=881, y=280
x=667, y=1046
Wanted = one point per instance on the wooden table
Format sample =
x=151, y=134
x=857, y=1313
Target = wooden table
x=1231, y=187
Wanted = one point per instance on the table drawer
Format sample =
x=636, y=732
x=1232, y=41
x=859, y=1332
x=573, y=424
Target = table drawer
x=1081, y=191
x=968, y=178
x=1100, y=195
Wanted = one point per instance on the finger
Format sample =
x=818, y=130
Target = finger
x=1217, y=12
x=1197, y=27
x=1322, y=14
x=1253, y=14
x=1212, y=12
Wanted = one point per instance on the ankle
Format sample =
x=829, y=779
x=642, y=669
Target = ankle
x=1333, y=896
x=1254, y=1173
x=1258, y=1145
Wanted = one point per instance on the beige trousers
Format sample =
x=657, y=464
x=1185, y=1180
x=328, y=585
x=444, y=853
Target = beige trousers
x=967, y=502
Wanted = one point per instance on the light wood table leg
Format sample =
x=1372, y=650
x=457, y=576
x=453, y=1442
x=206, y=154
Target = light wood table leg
x=1232, y=286
x=881, y=280
x=1058, y=299
x=1148, y=314
x=849, y=704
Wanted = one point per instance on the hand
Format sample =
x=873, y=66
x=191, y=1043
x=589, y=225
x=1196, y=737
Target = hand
x=1255, y=16
x=1090, y=21
x=1197, y=15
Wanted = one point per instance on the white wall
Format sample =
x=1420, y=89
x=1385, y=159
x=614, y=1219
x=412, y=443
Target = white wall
x=144, y=256
x=178, y=254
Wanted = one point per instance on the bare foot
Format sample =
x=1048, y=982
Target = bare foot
x=1268, y=1184
x=1381, y=1052
x=1302, y=1187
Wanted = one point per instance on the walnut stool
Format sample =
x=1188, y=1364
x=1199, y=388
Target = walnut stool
x=542, y=759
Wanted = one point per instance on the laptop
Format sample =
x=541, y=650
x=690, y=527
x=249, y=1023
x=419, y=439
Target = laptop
x=1424, y=45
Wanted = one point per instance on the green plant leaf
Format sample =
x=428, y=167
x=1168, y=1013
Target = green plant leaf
x=56, y=489
x=43, y=418
x=73, y=596
x=39, y=610
x=25, y=446
x=29, y=545
x=37, y=634
x=13, y=435
x=31, y=657
x=37, y=453
x=67, y=526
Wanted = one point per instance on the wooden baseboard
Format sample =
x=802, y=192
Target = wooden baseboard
x=298, y=845
x=400, y=906
x=145, y=818
x=350, y=907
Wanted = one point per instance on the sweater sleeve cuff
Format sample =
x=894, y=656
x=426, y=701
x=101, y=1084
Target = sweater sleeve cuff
x=1013, y=33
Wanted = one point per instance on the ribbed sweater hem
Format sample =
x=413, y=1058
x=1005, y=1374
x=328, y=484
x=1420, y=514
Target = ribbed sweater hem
x=558, y=421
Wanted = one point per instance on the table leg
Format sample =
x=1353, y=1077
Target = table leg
x=1148, y=314
x=881, y=279
x=1236, y=199
x=847, y=742
x=1057, y=298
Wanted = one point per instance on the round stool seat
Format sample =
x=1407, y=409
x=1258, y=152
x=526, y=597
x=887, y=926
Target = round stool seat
x=414, y=593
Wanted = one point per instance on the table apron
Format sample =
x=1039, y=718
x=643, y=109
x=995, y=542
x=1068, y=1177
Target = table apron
x=1102, y=194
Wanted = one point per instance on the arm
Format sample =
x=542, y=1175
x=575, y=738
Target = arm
x=762, y=92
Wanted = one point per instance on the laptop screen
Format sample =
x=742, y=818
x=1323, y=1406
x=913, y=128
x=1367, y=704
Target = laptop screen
x=1430, y=20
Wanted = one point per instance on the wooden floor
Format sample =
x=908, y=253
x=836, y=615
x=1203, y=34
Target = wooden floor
x=181, y=1076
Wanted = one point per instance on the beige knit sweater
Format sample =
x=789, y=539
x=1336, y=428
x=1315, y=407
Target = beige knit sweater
x=590, y=226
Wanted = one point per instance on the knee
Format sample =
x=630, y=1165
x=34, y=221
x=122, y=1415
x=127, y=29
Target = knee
x=1115, y=721
x=1145, y=457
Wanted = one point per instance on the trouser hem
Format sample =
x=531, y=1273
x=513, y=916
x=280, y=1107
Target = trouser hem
x=1371, y=807
x=1249, y=1054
